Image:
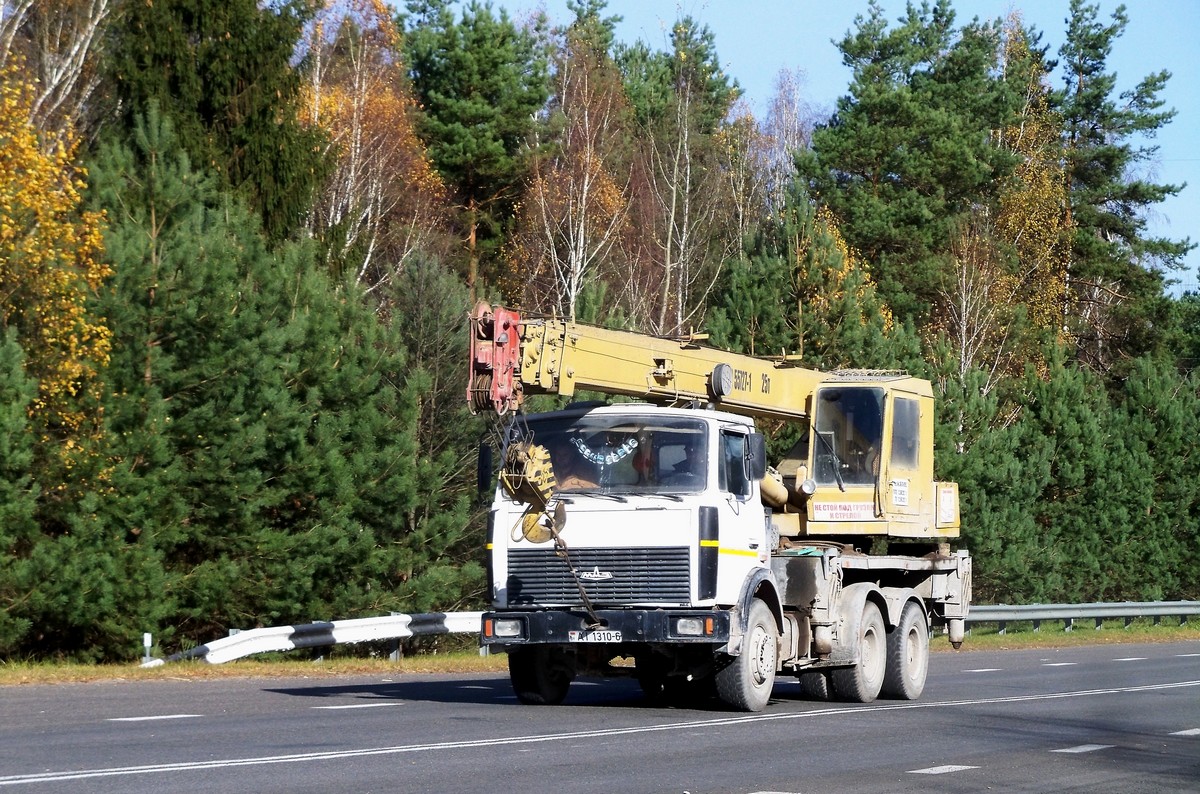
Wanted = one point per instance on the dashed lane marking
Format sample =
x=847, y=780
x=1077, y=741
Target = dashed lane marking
x=532, y=740
x=984, y=670
x=1131, y=659
x=154, y=717
x=1083, y=748
x=1059, y=664
x=1188, y=732
x=941, y=770
x=357, y=706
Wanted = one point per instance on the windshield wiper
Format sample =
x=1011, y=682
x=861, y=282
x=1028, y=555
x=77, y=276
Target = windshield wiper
x=837, y=463
x=615, y=497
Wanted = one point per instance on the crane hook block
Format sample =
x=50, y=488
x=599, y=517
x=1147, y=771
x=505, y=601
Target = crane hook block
x=495, y=357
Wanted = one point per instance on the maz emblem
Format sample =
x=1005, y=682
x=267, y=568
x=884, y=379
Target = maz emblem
x=595, y=575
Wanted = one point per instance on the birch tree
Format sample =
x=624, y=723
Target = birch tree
x=382, y=202
x=573, y=213
x=58, y=42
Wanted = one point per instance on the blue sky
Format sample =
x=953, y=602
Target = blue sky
x=757, y=38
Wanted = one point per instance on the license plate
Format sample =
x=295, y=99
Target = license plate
x=599, y=635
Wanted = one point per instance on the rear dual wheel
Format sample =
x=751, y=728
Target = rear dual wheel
x=863, y=682
x=907, y=655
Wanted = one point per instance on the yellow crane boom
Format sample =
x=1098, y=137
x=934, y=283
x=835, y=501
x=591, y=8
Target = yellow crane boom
x=512, y=356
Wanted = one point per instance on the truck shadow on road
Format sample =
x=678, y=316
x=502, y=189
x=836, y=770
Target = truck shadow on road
x=495, y=690
x=479, y=690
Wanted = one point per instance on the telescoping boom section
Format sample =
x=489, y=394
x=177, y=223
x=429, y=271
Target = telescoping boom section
x=512, y=356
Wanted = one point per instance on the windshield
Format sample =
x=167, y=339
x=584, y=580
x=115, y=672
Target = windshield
x=622, y=453
x=849, y=433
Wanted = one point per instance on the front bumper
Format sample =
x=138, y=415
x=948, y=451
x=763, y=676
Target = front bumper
x=549, y=626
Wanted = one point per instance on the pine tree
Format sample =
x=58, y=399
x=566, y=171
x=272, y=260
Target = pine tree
x=281, y=464
x=1117, y=268
x=222, y=70
x=19, y=531
x=480, y=82
x=909, y=150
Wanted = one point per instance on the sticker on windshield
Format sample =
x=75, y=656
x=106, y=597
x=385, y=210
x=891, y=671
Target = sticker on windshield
x=609, y=456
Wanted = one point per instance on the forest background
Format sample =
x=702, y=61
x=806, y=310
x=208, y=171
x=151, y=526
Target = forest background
x=239, y=242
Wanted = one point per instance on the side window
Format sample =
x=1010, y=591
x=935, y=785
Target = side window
x=733, y=464
x=906, y=428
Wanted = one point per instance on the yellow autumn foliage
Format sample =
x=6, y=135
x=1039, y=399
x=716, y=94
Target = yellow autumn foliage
x=837, y=270
x=50, y=265
x=1032, y=213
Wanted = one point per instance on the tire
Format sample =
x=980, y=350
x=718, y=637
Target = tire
x=862, y=682
x=907, y=655
x=746, y=682
x=815, y=685
x=540, y=675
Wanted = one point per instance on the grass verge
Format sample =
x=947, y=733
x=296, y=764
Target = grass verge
x=342, y=662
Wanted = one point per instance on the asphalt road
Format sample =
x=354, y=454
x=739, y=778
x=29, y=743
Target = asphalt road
x=1116, y=718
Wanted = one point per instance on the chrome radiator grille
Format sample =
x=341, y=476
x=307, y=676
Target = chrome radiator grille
x=610, y=576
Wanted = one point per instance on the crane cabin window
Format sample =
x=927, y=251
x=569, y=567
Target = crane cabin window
x=906, y=429
x=847, y=435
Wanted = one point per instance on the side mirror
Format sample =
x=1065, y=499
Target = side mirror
x=483, y=472
x=756, y=456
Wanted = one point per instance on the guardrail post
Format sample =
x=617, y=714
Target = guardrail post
x=1099, y=623
x=1003, y=627
x=397, y=653
x=1037, y=625
x=1068, y=624
x=1128, y=621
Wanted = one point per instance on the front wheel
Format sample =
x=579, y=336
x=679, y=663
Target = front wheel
x=540, y=674
x=862, y=682
x=746, y=682
x=907, y=655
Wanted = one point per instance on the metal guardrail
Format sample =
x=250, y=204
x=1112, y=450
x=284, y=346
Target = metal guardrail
x=334, y=632
x=1003, y=614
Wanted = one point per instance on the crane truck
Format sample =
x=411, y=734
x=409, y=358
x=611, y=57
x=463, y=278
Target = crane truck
x=651, y=537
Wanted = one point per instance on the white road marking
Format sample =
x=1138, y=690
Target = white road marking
x=1059, y=664
x=1188, y=732
x=1083, y=748
x=535, y=739
x=358, y=706
x=941, y=770
x=1131, y=659
x=155, y=717
x=984, y=670
x=1187, y=655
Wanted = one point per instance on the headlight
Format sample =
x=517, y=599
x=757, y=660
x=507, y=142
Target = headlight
x=509, y=627
x=689, y=627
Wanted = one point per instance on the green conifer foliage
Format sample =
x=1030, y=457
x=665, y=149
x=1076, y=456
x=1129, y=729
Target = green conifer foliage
x=480, y=82
x=909, y=150
x=1117, y=267
x=268, y=433
x=222, y=70
x=18, y=494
